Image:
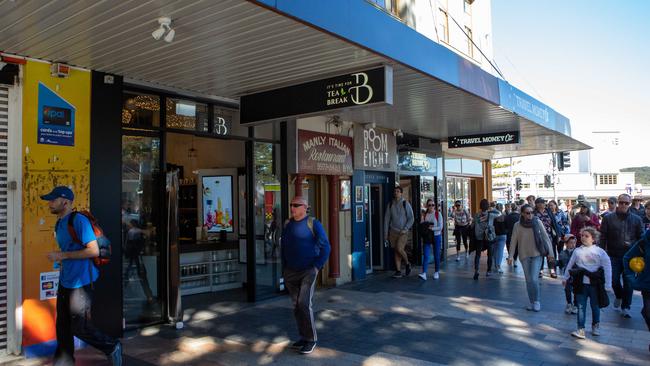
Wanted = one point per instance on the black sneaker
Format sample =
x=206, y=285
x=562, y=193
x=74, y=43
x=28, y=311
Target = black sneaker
x=476, y=276
x=116, y=355
x=408, y=269
x=298, y=344
x=397, y=274
x=307, y=348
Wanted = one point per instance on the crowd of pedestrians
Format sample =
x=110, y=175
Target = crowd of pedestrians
x=590, y=251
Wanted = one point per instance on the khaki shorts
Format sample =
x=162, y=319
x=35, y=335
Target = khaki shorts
x=397, y=240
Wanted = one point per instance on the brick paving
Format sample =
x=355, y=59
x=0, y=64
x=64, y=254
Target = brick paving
x=385, y=321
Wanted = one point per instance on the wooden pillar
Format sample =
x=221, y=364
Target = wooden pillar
x=298, y=185
x=334, y=193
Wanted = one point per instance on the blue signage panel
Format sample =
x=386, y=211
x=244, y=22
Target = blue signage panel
x=55, y=118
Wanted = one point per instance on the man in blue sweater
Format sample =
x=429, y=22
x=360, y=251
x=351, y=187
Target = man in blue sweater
x=305, y=249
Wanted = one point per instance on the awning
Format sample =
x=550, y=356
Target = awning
x=232, y=48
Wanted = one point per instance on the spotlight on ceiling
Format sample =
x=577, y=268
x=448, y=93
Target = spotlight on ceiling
x=165, y=26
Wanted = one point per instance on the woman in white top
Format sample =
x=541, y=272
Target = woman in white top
x=435, y=221
x=589, y=257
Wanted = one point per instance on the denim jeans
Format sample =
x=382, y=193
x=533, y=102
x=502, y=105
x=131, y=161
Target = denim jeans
x=622, y=292
x=591, y=292
x=499, y=249
x=480, y=244
x=645, y=312
x=436, y=246
x=531, y=266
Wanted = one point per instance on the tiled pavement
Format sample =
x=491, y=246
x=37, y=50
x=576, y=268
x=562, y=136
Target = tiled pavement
x=383, y=321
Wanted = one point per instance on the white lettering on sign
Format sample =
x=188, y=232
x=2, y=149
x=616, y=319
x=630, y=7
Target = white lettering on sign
x=532, y=108
x=220, y=126
x=375, y=149
x=355, y=94
x=486, y=139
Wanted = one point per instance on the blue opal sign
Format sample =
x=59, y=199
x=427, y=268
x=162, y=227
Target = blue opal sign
x=55, y=118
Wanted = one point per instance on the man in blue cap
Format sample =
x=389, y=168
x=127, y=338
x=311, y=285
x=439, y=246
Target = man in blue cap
x=78, y=272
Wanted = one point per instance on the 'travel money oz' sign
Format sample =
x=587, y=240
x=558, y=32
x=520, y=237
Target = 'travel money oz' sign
x=322, y=153
x=497, y=138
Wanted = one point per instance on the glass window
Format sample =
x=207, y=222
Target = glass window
x=452, y=165
x=467, y=6
x=186, y=115
x=224, y=119
x=141, y=207
x=268, y=216
x=444, y=25
x=140, y=110
x=470, y=43
x=471, y=166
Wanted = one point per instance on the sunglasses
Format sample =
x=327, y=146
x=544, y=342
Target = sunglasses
x=296, y=205
x=430, y=205
x=626, y=203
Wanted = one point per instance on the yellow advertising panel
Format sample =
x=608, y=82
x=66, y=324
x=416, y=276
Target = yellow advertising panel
x=56, y=151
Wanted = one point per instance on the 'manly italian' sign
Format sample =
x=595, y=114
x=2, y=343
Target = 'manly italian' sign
x=322, y=153
x=497, y=138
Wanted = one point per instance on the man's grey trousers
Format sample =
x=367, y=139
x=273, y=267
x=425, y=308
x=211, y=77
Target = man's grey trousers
x=300, y=285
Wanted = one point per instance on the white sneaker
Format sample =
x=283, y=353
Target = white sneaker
x=423, y=276
x=537, y=306
x=499, y=270
x=458, y=258
x=530, y=307
x=436, y=275
x=595, y=329
x=579, y=333
x=568, y=309
x=617, y=303
x=574, y=309
x=466, y=254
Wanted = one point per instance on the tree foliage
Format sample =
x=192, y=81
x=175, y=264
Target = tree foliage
x=641, y=174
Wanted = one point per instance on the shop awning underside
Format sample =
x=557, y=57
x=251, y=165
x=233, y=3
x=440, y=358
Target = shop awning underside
x=226, y=49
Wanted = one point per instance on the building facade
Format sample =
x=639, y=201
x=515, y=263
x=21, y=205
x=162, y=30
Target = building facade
x=187, y=146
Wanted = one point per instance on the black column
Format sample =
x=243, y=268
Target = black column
x=105, y=192
x=251, y=281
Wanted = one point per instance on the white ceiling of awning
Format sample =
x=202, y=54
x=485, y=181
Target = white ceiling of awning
x=232, y=48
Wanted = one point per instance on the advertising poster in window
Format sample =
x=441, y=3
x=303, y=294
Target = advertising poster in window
x=55, y=118
x=217, y=203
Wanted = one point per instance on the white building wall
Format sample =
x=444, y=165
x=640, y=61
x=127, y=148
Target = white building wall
x=424, y=16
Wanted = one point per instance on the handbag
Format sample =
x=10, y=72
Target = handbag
x=637, y=264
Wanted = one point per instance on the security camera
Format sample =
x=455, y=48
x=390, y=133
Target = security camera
x=398, y=133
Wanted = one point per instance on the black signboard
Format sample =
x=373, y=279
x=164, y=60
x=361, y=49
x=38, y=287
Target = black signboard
x=496, y=138
x=360, y=88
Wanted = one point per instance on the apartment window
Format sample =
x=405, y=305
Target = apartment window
x=470, y=44
x=607, y=179
x=389, y=5
x=467, y=6
x=525, y=185
x=444, y=25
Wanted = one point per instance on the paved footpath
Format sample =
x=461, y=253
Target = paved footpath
x=385, y=321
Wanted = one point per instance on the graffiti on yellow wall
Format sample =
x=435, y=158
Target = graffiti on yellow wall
x=44, y=167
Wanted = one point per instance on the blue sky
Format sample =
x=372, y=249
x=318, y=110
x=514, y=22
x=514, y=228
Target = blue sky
x=589, y=60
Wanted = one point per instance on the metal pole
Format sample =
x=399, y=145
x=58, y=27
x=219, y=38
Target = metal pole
x=554, y=157
x=512, y=183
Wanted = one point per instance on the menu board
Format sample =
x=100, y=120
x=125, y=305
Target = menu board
x=217, y=203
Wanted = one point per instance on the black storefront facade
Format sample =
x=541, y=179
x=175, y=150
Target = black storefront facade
x=139, y=135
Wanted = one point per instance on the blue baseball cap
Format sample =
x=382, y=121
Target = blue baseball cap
x=59, y=192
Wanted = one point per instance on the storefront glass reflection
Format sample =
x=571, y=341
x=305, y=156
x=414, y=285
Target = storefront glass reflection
x=141, y=244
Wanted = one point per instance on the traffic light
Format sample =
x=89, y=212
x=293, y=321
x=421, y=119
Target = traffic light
x=563, y=160
x=547, y=181
x=566, y=159
x=518, y=184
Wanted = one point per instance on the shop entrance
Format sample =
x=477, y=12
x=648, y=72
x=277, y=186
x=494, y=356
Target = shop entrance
x=219, y=239
x=374, y=229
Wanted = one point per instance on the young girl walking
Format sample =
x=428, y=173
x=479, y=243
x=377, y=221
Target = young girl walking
x=591, y=277
x=433, y=224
